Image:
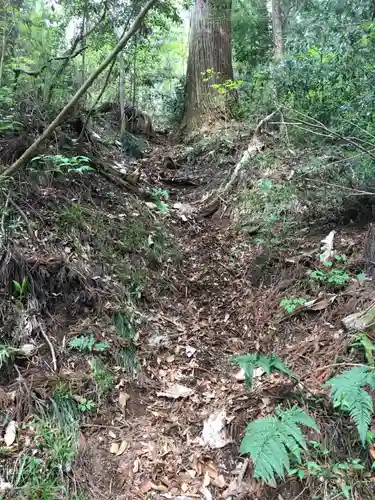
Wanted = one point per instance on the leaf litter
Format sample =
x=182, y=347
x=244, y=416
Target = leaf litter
x=162, y=433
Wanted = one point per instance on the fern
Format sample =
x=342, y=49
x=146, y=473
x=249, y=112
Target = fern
x=347, y=393
x=249, y=362
x=270, y=440
x=87, y=344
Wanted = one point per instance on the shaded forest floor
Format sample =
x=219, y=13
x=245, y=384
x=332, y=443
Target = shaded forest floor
x=143, y=309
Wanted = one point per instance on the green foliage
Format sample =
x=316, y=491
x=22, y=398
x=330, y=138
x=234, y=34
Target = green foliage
x=63, y=164
x=270, y=440
x=7, y=354
x=252, y=37
x=269, y=204
x=20, y=289
x=249, y=362
x=85, y=405
x=291, y=304
x=104, y=380
x=159, y=197
x=362, y=341
x=334, y=277
x=87, y=343
x=347, y=393
x=40, y=474
x=127, y=356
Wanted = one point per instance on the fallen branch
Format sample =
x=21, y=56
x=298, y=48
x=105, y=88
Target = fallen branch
x=24, y=218
x=80, y=92
x=360, y=321
x=50, y=345
x=355, y=192
x=254, y=147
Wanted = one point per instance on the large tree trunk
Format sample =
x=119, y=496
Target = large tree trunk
x=277, y=29
x=210, y=47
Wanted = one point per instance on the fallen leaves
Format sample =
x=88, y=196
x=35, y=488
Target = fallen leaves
x=10, y=433
x=176, y=391
x=118, y=448
x=123, y=399
x=214, y=432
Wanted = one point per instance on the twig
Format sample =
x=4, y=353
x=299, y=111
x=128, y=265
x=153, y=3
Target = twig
x=54, y=362
x=24, y=217
x=355, y=192
x=336, y=365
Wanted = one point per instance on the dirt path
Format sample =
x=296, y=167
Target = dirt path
x=217, y=296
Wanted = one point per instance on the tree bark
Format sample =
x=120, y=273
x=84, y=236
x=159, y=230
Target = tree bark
x=210, y=47
x=277, y=29
x=80, y=92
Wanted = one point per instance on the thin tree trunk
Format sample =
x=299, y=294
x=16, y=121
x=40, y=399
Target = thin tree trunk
x=210, y=48
x=80, y=92
x=277, y=29
x=122, y=96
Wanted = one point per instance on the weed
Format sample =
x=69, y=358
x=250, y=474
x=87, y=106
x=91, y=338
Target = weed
x=362, y=341
x=269, y=441
x=269, y=204
x=85, y=405
x=103, y=379
x=73, y=216
x=289, y=305
x=249, y=362
x=334, y=277
x=160, y=197
x=20, y=289
x=42, y=472
x=341, y=475
x=63, y=164
x=127, y=356
x=347, y=393
x=86, y=343
x=7, y=353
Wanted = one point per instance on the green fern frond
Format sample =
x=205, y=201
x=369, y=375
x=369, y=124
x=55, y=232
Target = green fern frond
x=249, y=362
x=270, y=440
x=348, y=394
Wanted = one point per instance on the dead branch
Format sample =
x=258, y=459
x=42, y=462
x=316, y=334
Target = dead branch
x=51, y=348
x=317, y=125
x=254, y=147
x=353, y=191
x=78, y=39
x=89, y=114
x=24, y=218
x=35, y=73
x=80, y=92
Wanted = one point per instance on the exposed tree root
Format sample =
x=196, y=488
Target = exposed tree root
x=255, y=146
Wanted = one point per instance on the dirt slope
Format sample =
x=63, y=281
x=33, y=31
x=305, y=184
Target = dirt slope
x=210, y=292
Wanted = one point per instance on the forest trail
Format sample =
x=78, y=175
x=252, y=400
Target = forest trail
x=162, y=408
x=221, y=297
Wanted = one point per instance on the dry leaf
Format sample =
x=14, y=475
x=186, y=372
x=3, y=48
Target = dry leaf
x=114, y=448
x=219, y=481
x=190, y=351
x=176, y=391
x=112, y=435
x=123, y=399
x=170, y=359
x=122, y=448
x=136, y=466
x=145, y=486
x=206, y=479
x=10, y=433
x=327, y=247
x=206, y=493
x=214, y=432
